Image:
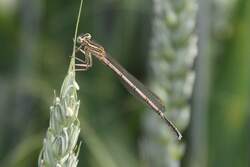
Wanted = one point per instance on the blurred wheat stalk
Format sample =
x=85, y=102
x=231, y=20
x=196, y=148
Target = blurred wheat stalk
x=173, y=49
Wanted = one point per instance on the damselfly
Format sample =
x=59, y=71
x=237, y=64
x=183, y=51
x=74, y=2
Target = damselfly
x=88, y=47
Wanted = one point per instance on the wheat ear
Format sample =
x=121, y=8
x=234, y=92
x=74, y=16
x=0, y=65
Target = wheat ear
x=173, y=49
x=60, y=144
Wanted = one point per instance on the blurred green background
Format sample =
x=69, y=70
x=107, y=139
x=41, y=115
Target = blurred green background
x=35, y=45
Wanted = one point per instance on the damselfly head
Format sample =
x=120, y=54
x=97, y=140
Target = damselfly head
x=81, y=38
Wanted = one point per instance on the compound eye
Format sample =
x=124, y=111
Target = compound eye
x=79, y=39
x=87, y=35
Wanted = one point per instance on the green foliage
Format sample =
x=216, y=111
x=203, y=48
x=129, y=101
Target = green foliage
x=229, y=107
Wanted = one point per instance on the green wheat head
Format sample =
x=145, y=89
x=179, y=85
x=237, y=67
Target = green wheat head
x=60, y=147
x=173, y=49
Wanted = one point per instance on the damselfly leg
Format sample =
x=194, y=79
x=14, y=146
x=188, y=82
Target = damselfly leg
x=85, y=64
